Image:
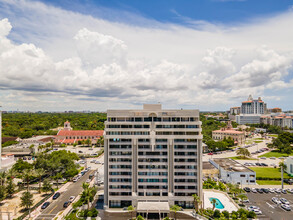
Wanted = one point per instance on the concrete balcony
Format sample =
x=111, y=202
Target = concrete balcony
x=153, y=170
x=151, y=177
x=149, y=183
x=120, y=190
x=119, y=170
x=185, y=170
x=185, y=177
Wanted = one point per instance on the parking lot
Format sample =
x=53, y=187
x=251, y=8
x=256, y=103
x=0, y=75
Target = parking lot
x=269, y=209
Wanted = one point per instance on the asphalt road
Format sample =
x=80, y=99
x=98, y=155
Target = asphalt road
x=269, y=209
x=73, y=190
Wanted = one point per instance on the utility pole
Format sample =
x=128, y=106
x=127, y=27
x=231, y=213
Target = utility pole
x=282, y=167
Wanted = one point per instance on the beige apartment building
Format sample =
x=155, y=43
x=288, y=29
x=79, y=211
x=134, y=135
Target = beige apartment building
x=229, y=132
x=152, y=155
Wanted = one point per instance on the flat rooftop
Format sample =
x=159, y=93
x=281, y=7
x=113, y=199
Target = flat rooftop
x=208, y=166
x=231, y=165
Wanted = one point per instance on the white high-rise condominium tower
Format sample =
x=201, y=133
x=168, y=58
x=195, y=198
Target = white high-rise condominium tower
x=152, y=155
x=253, y=106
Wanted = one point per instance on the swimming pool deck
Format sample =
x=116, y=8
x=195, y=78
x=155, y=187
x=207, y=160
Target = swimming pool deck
x=228, y=203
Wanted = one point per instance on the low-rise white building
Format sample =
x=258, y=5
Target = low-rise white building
x=233, y=172
x=248, y=119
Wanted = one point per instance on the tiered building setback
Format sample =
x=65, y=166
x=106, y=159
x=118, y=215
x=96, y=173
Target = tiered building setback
x=152, y=155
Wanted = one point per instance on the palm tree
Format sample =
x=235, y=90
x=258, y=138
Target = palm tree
x=26, y=175
x=11, y=173
x=243, y=152
x=214, y=201
x=175, y=209
x=196, y=201
x=87, y=194
x=130, y=209
x=3, y=176
x=26, y=200
x=39, y=173
x=46, y=186
x=57, y=177
x=32, y=148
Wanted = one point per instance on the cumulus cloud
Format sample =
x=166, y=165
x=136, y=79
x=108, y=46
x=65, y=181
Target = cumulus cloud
x=99, y=62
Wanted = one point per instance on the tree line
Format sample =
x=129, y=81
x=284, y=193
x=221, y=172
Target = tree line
x=25, y=125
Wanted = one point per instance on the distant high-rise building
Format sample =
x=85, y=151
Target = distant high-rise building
x=235, y=110
x=253, y=106
x=152, y=155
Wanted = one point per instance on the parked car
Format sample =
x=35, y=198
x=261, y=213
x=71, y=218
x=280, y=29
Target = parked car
x=80, y=152
x=284, y=191
x=257, y=164
x=88, y=181
x=253, y=190
x=75, y=179
x=97, y=162
x=278, y=191
x=45, y=205
x=276, y=200
x=252, y=208
x=66, y=204
x=263, y=158
x=272, y=190
x=289, y=181
x=259, y=190
x=247, y=189
x=257, y=212
x=56, y=195
x=264, y=164
x=273, y=158
x=266, y=190
x=244, y=200
x=286, y=207
x=71, y=198
x=284, y=201
x=210, y=154
x=93, y=161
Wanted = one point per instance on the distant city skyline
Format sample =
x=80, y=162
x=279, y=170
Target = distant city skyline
x=109, y=54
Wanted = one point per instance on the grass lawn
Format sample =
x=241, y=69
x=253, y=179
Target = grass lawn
x=275, y=153
x=249, y=142
x=257, y=142
x=273, y=135
x=241, y=158
x=268, y=172
x=261, y=139
x=269, y=182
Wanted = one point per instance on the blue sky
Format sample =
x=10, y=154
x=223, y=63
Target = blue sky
x=174, y=11
x=95, y=55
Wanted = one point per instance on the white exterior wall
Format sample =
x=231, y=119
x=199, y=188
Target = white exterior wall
x=140, y=156
x=235, y=177
x=247, y=119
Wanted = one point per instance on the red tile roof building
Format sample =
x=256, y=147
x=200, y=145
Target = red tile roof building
x=69, y=136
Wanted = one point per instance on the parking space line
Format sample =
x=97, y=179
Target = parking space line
x=270, y=205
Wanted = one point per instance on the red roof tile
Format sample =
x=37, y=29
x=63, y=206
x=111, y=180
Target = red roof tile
x=81, y=133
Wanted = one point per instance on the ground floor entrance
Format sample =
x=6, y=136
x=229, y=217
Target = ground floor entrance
x=153, y=210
